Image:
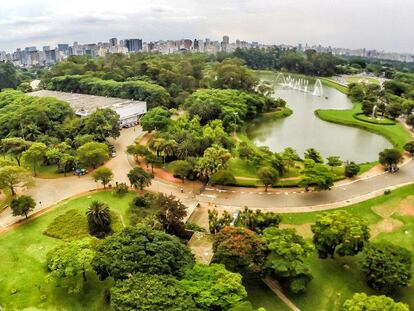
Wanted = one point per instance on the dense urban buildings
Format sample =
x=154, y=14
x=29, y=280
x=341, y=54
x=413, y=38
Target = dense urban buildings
x=31, y=56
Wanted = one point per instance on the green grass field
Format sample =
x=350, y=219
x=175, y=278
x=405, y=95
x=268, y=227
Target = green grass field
x=396, y=134
x=23, y=254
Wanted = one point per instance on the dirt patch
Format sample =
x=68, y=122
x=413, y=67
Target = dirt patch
x=304, y=229
x=387, y=209
x=385, y=226
x=406, y=207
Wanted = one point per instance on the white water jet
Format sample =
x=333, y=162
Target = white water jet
x=299, y=84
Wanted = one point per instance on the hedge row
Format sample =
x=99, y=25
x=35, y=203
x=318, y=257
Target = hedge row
x=153, y=94
x=362, y=117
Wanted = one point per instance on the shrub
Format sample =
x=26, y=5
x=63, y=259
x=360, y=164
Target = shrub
x=70, y=225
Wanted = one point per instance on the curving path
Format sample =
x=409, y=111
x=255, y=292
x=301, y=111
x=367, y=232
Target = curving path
x=52, y=191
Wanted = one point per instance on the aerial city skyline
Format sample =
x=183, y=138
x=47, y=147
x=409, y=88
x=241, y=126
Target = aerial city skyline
x=49, y=54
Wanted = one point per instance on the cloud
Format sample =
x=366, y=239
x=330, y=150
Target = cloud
x=381, y=24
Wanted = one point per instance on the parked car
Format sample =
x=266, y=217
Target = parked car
x=81, y=171
x=113, y=153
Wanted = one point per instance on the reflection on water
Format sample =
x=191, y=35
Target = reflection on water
x=303, y=130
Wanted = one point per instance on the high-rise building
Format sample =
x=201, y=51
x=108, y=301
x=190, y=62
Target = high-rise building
x=63, y=47
x=196, y=45
x=113, y=42
x=226, y=39
x=133, y=45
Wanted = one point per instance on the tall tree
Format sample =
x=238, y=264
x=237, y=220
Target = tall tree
x=150, y=292
x=316, y=174
x=93, y=154
x=339, y=232
x=35, y=156
x=314, y=155
x=99, y=219
x=139, y=178
x=216, y=222
x=141, y=249
x=213, y=287
x=268, y=176
x=171, y=214
x=12, y=176
x=22, y=205
x=239, y=249
x=104, y=175
x=390, y=158
x=387, y=267
x=257, y=220
x=102, y=123
x=8, y=76
x=14, y=146
x=286, y=258
x=363, y=302
x=69, y=260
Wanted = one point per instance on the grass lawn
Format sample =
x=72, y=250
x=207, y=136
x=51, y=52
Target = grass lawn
x=338, y=279
x=332, y=83
x=261, y=296
x=396, y=134
x=23, y=254
x=357, y=79
x=50, y=172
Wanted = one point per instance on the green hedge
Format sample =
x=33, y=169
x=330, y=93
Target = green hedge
x=153, y=94
x=362, y=117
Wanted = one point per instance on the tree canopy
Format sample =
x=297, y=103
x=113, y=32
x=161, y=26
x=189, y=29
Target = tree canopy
x=339, y=232
x=143, y=250
x=363, y=302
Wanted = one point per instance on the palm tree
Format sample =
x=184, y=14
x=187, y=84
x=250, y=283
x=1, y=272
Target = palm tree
x=157, y=145
x=99, y=219
x=168, y=148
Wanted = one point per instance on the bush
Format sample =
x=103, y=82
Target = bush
x=222, y=178
x=121, y=189
x=71, y=225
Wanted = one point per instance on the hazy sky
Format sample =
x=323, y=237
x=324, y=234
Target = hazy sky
x=380, y=24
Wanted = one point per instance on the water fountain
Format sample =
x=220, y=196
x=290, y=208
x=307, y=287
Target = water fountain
x=299, y=84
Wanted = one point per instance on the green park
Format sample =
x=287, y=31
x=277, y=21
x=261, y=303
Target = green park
x=300, y=185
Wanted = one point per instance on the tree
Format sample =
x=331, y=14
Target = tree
x=334, y=161
x=363, y=302
x=99, y=219
x=137, y=150
x=394, y=110
x=213, y=287
x=268, y=176
x=14, y=146
x=102, y=123
x=386, y=266
x=8, y=76
x=286, y=258
x=257, y=221
x=181, y=168
x=157, y=118
x=367, y=107
x=316, y=174
x=121, y=189
x=12, y=176
x=141, y=249
x=104, y=175
x=214, y=159
x=222, y=177
x=34, y=156
x=239, y=249
x=289, y=155
x=351, y=169
x=69, y=260
x=409, y=147
x=152, y=160
x=390, y=158
x=339, y=232
x=171, y=214
x=93, y=154
x=232, y=74
x=216, y=222
x=22, y=205
x=139, y=178
x=150, y=292
x=313, y=155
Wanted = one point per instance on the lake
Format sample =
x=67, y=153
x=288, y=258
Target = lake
x=303, y=130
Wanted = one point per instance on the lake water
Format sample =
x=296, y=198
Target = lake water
x=303, y=130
